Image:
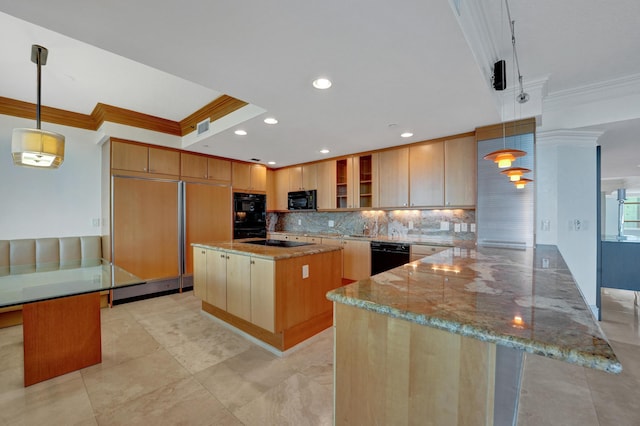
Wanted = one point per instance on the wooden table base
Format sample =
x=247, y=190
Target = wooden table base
x=61, y=336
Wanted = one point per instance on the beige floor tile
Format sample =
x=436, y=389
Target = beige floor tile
x=296, y=401
x=144, y=309
x=108, y=388
x=316, y=359
x=182, y=402
x=60, y=401
x=118, y=312
x=188, y=300
x=553, y=393
x=176, y=327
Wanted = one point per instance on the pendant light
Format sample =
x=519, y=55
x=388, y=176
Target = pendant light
x=522, y=183
x=36, y=147
x=515, y=173
x=505, y=157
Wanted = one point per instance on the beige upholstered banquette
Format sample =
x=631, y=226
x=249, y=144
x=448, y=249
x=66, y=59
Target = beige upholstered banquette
x=44, y=254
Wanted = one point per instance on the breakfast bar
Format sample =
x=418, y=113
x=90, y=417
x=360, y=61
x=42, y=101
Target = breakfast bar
x=440, y=340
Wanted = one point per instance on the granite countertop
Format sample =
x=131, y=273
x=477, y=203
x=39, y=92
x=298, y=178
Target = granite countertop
x=403, y=239
x=524, y=299
x=267, y=252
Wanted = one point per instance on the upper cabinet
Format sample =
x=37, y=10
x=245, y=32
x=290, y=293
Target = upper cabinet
x=326, y=180
x=139, y=158
x=393, y=178
x=356, y=183
x=249, y=177
x=460, y=171
x=203, y=167
x=303, y=178
x=281, y=190
x=426, y=175
x=344, y=183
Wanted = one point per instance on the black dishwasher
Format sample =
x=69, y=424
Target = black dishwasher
x=388, y=255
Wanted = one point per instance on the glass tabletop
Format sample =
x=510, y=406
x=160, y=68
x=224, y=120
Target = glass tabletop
x=28, y=283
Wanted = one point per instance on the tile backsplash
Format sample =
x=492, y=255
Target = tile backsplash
x=458, y=224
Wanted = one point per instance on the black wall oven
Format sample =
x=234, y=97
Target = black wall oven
x=249, y=215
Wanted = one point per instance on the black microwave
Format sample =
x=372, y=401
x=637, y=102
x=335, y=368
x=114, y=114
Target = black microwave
x=303, y=200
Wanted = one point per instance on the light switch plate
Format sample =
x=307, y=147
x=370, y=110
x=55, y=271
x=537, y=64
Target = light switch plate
x=331, y=223
x=473, y=227
x=456, y=227
x=444, y=226
x=305, y=271
x=464, y=227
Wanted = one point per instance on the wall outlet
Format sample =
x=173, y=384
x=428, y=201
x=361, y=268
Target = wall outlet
x=456, y=227
x=331, y=224
x=464, y=227
x=305, y=271
x=96, y=222
x=546, y=225
x=410, y=224
x=299, y=221
x=444, y=226
x=473, y=227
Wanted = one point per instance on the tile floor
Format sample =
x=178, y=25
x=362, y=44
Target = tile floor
x=166, y=363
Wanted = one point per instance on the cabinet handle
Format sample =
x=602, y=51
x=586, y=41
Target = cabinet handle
x=253, y=262
x=222, y=256
x=227, y=257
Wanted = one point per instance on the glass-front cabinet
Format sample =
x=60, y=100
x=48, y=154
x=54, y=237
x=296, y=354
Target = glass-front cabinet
x=356, y=186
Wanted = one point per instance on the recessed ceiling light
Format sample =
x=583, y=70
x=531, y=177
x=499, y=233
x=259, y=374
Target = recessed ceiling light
x=240, y=132
x=324, y=151
x=270, y=120
x=271, y=163
x=322, y=83
x=406, y=135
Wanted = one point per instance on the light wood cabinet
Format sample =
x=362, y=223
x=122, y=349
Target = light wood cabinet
x=356, y=257
x=393, y=177
x=250, y=177
x=303, y=178
x=326, y=182
x=145, y=227
x=460, y=172
x=200, y=273
x=365, y=175
x=144, y=159
x=281, y=177
x=202, y=202
x=426, y=175
x=344, y=183
x=203, y=167
x=263, y=290
x=239, y=285
x=216, y=278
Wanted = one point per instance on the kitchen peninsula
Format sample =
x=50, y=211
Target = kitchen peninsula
x=274, y=293
x=440, y=340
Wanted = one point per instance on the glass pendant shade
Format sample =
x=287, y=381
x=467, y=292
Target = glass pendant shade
x=515, y=173
x=505, y=157
x=522, y=183
x=37, y=148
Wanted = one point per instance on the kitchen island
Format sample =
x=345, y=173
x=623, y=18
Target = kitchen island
x=440, y=340
x=275, y=294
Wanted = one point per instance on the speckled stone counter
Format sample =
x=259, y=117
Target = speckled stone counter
x=267, y=252
x=526, y=300
x=403, y=239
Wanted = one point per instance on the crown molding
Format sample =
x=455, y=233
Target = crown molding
x=103, y=113
x=562, y=137
x=592, y=93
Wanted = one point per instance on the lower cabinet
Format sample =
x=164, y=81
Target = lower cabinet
x=356, y=257
x=240, y=285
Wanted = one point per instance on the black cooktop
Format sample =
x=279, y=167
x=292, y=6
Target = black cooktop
x=278, y=243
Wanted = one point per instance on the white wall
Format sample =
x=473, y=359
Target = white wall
x=50, y=203
x=571, y=157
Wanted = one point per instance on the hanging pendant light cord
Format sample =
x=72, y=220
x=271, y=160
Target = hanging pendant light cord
x=522, y=97
x=39, y=64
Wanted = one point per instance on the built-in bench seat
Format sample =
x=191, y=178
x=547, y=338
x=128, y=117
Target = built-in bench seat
x=45, y=254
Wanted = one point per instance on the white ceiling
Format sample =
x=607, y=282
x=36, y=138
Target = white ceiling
x=404, y=63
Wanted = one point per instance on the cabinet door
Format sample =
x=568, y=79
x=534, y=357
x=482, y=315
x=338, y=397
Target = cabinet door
x=217, y=278
x=356, y=259
x=239, y=286
x=263, y=300
x=427, y=174
x=365, y=169
x=393, y=176
x=282, y=188
x=240, y=175
x=164, y=161
x=200, y=273
x=295, y=178
x=194, y=166
x=258, y=177
x=460, y=172
x=310, y=177
x=219, y=170
x=344, y=184
x=145, y=227
x=202, y=202
x=326, y=179
x=128, y=156
x=336, y=242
